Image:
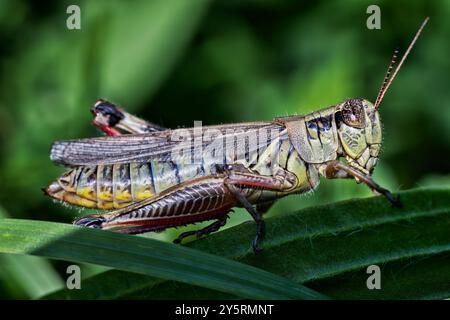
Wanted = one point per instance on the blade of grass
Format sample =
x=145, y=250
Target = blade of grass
x=146, y=256
x=27, y=276
x=323, y=243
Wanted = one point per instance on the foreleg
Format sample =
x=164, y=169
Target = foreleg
x=336, y=170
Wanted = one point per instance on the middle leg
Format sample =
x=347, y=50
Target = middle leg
x=213, y=227
x=282, y=181
x=260, y=224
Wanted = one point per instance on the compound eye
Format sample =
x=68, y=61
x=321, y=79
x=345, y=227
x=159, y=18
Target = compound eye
x=353, y=113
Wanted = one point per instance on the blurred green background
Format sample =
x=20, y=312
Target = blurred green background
x=173, y=62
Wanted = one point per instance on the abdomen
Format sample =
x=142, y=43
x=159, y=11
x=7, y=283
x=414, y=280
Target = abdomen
x=119, y=185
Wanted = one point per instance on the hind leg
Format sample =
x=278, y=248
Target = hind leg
x=108, y=117
x=197, y=200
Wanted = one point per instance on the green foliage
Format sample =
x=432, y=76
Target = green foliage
x=327, y=247
x=27, y=276
x=173, y=62
x=145, y=256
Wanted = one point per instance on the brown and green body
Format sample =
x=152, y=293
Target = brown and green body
x=113, y=186
x=118, y=185
x=153, y=178
x=155, y=190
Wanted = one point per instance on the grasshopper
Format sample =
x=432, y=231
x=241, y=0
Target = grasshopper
x=135, y=173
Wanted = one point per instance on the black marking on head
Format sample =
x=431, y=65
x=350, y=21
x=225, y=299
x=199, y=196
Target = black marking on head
x=109, y=110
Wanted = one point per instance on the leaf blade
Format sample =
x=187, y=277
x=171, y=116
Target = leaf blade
x=294, y=241
x=30, y=276
x=145, y=256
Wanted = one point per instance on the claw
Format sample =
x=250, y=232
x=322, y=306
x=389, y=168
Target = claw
x=255, y=245
x=394, y=200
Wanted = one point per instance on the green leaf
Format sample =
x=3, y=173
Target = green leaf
x=27, y=276
x=145, y=256
x=329, y=248
x=421, y=277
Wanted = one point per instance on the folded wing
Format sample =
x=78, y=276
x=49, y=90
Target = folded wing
x=162, y=145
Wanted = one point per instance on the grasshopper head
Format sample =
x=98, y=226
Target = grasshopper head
x=359, y=131
x=358, y=121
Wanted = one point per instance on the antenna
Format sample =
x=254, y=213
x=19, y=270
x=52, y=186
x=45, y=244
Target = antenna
x=388, y=79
